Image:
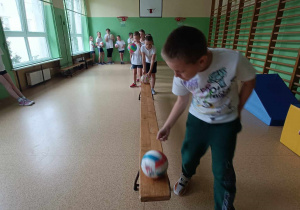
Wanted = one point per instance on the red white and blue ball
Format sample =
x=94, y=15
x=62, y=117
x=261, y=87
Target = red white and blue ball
x=154, y=164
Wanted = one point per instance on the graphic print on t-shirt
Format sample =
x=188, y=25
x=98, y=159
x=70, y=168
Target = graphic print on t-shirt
x=218, y=77
x=212, y=98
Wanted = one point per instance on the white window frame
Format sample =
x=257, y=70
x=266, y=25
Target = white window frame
x=73, y=34
x=25, y=33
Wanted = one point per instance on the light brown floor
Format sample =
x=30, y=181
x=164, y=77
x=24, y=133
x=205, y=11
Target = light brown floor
x=78, y=146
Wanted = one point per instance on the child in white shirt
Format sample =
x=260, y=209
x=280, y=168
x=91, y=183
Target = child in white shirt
x=142, y=35
x=99, y=43
x=129, y=41
x=149, y=60
x=121, y=46
x=136, y=59
x=92, y=48
x=109, y=39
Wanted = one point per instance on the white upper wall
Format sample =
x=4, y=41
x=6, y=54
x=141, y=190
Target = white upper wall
x=130, y=8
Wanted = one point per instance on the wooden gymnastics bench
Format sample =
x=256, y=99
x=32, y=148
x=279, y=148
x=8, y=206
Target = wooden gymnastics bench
x=88, y=60
x=150, y=189
x=69, y=68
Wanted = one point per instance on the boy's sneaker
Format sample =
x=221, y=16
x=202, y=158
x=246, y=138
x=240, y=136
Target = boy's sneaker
x=181, y=185
x=103, y=63
x=26, y=102
x=153, y=91
x=133, y=85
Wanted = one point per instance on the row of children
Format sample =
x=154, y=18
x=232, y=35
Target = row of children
x=109, y=41
x=143, y=59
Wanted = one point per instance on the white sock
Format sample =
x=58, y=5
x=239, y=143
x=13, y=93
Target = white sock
x=20, y=99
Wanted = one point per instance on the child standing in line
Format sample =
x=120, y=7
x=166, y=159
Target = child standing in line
x=211, y=75
x=136, y=59
x=92, y=48
x=99, y=42
x=142, y=35
x=149, y=60
x=8, y=84
x=109, y=39
x=121, y=47
x=129, y=41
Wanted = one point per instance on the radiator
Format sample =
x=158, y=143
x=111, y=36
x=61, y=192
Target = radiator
x=36, y=77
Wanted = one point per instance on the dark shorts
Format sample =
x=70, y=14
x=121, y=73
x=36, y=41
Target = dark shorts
x=3, y=72
x=121, y=51
x=100, y=49
x=154, y=70
x=136, y=66
x=109, y=52
x=92, y=52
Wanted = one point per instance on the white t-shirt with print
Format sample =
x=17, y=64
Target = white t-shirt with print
x=143, y=42
x=110, y=43
x=136, y=58
x=121, y=45
x=215, y=90
x=148, y=53
x=2, y=67
x=92, y=48
x=130, y=40
x=98, y=40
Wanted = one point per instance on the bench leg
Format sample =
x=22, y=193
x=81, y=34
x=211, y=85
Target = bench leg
x=136, y=185
x=140, y=96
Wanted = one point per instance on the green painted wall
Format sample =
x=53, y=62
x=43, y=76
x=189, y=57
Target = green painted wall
x=159, y=28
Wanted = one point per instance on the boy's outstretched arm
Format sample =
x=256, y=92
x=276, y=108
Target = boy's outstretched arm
x=245, y=92
x=178, y=108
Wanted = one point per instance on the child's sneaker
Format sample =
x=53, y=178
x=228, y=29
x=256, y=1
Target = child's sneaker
x=133, y=85
x=26, y=102
x=181, y=185
x=153, y=91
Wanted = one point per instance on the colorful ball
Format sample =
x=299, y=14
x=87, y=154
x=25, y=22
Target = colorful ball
x=145, y=78
x=101, y=44
x=116, y=45
x=132, y=47
x=154, y=164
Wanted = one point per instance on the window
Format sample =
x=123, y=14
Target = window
x=77, y=24
x=25, y=26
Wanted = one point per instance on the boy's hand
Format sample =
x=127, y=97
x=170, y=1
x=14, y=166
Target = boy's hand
x=163, y=134
x=149, y=74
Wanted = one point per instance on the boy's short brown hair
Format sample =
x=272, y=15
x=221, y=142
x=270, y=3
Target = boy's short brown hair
x=185, y=43
x=136, y=33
